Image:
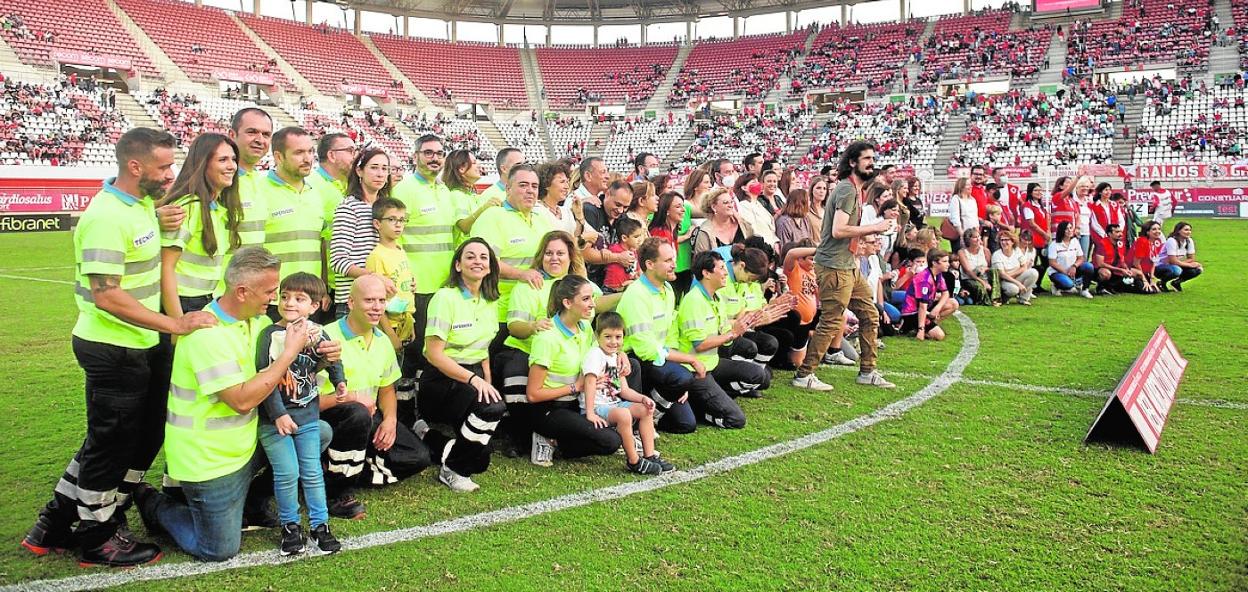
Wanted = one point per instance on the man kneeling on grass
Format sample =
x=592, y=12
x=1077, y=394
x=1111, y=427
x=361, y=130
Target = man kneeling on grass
x=211, y=427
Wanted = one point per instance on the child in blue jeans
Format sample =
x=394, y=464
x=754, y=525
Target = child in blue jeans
x=290, y=417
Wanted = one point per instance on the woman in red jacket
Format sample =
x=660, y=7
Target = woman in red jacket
x=1145, y=252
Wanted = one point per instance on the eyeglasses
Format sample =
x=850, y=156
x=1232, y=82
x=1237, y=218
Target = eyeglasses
x=394, y=220
x=433, y=153
x=351, y=149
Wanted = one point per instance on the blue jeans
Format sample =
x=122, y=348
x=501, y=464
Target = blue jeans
x=1166, y=273
x=1083, y=278
x=894, y=315
x=209, y=524
x=1085, y=241
x=296, y=459
x=897, y=298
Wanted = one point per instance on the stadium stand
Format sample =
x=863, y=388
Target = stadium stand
x=858, y=55
x=1206, y=125
x=773, y=134
x=456, y=134
x=1038, y=129
x=575, y=76
x=904, y=133
x=364, y=127
x=525, y=133
x=633, y=135
x=328, y=57
x=36, y=27
x=186, y=116
x=749, y=66
x=570, y=136
x=1149, y=31
x=451, y=72
x=57, y=125
x=979, y=45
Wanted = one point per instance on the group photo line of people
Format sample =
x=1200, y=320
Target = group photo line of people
x=291, y=335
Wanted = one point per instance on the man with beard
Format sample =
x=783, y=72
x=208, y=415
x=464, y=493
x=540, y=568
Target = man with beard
x=117, y=259
x=841, y=283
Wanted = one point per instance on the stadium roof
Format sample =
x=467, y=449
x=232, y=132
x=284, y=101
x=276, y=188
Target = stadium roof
x=582, y=12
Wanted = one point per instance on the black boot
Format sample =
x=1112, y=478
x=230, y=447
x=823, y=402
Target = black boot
x=46, y=536
x=120, y=550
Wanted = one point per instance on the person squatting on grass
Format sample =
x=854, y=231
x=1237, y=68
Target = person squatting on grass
x=928, y=300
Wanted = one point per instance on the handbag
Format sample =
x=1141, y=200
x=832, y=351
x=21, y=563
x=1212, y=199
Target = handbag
x=948, y=231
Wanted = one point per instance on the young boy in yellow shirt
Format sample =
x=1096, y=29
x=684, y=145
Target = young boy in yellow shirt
x=388, y=260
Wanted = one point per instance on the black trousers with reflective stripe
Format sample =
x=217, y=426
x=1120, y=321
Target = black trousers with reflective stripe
x=749, y=348
x=440, y=399
x=127, y=393
x=712, y=405
x=738, y=378
x=563, y=422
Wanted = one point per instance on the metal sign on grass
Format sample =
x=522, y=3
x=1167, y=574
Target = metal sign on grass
x=1137, y=410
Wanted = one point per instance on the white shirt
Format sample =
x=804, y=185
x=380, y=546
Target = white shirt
x=758, y=219
x=1165, y=204
x=875, y=272
x=963, y=213
x=1172, y=248
x=566, y=222
x=1064, y=254
x=1004, y=262
x=979, y=261
x=1085, y=218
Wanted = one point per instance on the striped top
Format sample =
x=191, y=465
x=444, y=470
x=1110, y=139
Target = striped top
x=351, y=240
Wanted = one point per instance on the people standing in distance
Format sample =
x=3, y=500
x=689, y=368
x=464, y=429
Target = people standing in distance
x=1163, y=203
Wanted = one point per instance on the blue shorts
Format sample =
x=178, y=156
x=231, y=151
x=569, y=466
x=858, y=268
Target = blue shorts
x=603, y=410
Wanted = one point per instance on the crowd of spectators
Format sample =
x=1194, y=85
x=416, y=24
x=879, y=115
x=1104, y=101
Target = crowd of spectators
x=53, y=124
x=1149, y=31
x=773, y=133
x=906, y=132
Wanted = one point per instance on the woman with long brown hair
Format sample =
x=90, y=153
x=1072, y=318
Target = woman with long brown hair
x=793, y=223
x=354, y=235
x=192, y=258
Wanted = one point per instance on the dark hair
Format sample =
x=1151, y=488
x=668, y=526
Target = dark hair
x=704, y=263
x=640, y=160
x=1148, y=226
x=1102, y=186
x=237, y=121
x=489, y=285
x=1174, y=232
x=193, y=180
x=546, y=173
x=1030, y=187
x=502, y=156
x=754, y=260
x=355, y=185
x=766, y=173
x=617, y=185
x=798, y=204
x=281, y=137
x=660, y=215
x=977, y=166
x=140, y=142
x=648, y=251
x=759, y=243
x=935, y=255
x=887, y=167
x=302, y=281
x=826, y=170
x=888, y=204
x=565, y=287
x=845, y=167
x=749, y=159
x=576, y=264
x=876, y=189
x=585, y=166
x=1155, y=184
x=426, y=138
x=608, y=320
x=1057, y=185
x=522, y=166
x=1110, y=228
x=625, y=225
x=451, y=177
x=1059, y=234
x=327, y=142
x=387, y=203
x=738, y=188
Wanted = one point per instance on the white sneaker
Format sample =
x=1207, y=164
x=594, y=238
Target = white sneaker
x=457, y=482
x=420, y=428
x=1085, y=294
x=874, y=378
x=811, y=382
x=838, y=358
x=543, y=452
x=1054, y=291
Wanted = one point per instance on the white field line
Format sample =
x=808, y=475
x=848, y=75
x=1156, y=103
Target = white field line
x=1059, y=390
x=35, y=279
x=952, y=374
x=25, y=269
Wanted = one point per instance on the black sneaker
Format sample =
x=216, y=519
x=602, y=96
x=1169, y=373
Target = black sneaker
x=120, y=550
x=263, y=517
x=645, y=466
x=347, y=507
x=44, y=537
x=665, y=466
x=292, y=539
x=325, y=540
x=145, y=501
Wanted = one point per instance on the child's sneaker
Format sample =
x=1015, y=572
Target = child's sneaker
x=664, y=466
x=292, y=539
x=543, y=452
x=645, y=466
x=325, y=540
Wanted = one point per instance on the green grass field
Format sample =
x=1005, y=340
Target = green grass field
x=983, y=487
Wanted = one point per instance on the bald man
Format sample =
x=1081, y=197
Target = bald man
x=369, y=446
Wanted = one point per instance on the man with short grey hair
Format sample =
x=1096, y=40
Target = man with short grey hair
x=594, y=180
